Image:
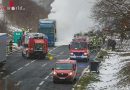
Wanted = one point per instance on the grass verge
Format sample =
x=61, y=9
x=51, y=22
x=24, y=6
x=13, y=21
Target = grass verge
x=85, y=80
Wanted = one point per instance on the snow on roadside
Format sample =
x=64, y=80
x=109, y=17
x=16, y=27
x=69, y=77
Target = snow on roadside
x=108, y=75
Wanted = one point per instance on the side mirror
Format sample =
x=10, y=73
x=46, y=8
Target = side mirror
x=69, y=46
x=52, y=68
x=74, y=68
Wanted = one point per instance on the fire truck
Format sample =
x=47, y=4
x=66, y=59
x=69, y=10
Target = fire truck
x=79, y=48
x=34, y=44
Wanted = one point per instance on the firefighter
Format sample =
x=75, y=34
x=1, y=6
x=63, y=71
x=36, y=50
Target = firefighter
x=94, y=44
x=100, y=42
x=10, y=45
x=50, y=57
x=113, y=44
x=19, y=42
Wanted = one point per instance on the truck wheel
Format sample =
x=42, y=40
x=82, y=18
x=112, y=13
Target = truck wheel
x=23, y=55
x=44, y=56
x=27, y=55
x=54, y=81
x=72, y=81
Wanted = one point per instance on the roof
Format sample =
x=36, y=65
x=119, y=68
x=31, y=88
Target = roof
x=46, y=21
x=2, y=34
x=33, y=35
x=66, y=61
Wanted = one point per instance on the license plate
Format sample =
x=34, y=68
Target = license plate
x=62, y=78
x=78, y=57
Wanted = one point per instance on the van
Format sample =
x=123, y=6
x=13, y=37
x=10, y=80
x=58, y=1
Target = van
x=64, y=70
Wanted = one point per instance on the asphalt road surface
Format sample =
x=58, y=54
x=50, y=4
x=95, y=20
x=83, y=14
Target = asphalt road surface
x=34, y=74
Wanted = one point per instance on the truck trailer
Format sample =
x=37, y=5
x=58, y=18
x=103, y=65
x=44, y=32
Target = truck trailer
x=3, y=48
x=48, y=27
x=35, y=45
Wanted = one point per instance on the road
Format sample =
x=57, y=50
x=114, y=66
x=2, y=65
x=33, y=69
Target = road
x=33, y=74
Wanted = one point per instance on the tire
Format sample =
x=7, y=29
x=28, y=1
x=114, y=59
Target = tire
x=23, y=55
x=54, y=81
x=27, y=55
x=44, y=56
x=72, y=81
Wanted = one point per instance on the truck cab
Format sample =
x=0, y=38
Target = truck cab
x=79, y=50
x=64, y=70
x=48, y=27
x=35, y=44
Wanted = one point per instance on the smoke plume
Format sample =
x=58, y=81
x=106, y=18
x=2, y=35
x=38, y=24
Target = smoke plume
x=72, y=16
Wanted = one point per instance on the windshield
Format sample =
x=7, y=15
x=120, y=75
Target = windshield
x=78, y=45
x=64, y=66
x=38, y=46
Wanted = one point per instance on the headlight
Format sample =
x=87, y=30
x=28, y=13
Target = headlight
x=70, y=73
x=54, y=73
x=85, y=53
x=71, y=53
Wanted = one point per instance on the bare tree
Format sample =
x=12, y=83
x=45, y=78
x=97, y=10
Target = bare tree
x=114, y=14
x=29, y=17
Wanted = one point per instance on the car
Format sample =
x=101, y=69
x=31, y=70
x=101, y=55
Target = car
x=64, y=70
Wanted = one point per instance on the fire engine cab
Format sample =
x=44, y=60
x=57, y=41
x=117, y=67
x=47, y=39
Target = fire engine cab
x=79, y=49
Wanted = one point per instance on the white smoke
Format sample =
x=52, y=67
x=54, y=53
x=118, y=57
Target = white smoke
x=72, y=16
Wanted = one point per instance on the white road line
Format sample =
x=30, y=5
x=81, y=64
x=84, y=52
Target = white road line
x=37, y=88
x=72, y=88
x=6, y=77
x=20, y=68
x=13, y=72
x=46, y=77
x=50, y=73
x=52, y=49
x=18, y=83
x=61, y=53
x=27, y=64
x=58, y=55
x=44, y=65
x=41, y=83
x=68, y=58
x=33, y=61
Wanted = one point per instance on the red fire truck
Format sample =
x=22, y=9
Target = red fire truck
x=35, y=44
x=79, y=49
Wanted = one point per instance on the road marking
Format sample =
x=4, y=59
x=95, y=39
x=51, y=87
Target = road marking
x=44, y=65
x=53, y=49
x=58, y=55
x=13, y=72
x=72, y=88
x=61, y=53
x=46, y=77
x=41, y=83
x=33, y=61
x=6, y=77
x=68, y=58
x=50, y=73
x=18, y=83
x=20, y=68
x=37, y=88
x=27, y=64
